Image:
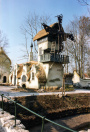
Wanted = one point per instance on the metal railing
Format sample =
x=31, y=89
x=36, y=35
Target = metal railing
x=42, y=117
x=64, y=59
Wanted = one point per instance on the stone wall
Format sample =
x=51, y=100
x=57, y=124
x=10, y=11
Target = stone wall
x=7, y=123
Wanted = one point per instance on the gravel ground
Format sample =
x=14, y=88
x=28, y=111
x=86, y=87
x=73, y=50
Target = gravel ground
x=7, y=91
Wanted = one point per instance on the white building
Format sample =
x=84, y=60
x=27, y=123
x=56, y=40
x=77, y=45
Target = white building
x=30, y=74
x=47, y=55
x=48, y=71
x=5, y=64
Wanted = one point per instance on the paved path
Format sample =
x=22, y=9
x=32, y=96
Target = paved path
x=7, y=91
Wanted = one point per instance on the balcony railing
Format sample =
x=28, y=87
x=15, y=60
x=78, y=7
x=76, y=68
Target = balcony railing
x=54, y=58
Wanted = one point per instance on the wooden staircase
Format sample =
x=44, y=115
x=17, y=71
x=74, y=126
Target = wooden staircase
x=53, y=47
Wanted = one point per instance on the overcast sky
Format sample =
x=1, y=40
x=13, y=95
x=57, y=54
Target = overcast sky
x=13, y=13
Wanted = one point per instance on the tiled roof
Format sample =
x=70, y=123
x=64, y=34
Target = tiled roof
x=19, y=73
x=28, y=75
x=86, y=75
x=40, y=73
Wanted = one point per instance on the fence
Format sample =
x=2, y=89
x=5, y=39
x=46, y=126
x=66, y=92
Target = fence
x=42, y=117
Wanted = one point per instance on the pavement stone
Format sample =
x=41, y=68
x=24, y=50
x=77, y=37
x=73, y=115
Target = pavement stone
x=7, y=123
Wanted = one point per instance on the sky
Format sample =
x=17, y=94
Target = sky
x=14, y=12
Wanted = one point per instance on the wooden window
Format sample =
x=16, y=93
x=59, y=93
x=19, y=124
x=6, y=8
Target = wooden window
x=33, y=76
x=40, y=51
x=23, y=78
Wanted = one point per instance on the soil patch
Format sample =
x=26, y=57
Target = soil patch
x=77, y=122
x=52, y=107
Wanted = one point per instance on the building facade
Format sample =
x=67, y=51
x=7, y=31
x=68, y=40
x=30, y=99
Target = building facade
x=49, y=57
x=5, y=64
x=48, y=71
x=30, y=75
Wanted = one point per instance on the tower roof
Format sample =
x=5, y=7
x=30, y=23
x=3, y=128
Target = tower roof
x=43, y=32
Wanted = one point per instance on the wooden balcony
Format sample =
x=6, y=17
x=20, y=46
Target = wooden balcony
x=63, y=59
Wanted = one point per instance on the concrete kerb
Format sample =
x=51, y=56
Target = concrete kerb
x=7, y=123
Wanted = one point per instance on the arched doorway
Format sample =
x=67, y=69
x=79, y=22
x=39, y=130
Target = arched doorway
x=11, y=79
x=4, y=79
x=15, y=80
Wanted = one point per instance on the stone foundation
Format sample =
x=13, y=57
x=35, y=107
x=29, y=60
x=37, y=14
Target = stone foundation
x=7, y=123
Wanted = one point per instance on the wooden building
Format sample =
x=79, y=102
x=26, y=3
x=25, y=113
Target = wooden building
x=49, y=57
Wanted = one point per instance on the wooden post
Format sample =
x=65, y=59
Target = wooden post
x=63, y=86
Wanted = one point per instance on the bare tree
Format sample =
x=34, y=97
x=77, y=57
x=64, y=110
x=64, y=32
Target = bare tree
x=4, y=58
x=84, y=2
x=29, y=29
x=88, y=66
x=3, y=41
x=78, y=50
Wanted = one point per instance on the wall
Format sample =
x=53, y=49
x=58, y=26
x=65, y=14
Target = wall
x=43, y=45
x=33, y=83
x=4, y=68
x=24, y=73
x=53, y=71
x=29, y=83
x=76, y=78
x=7, y=122
x=85, y=82
x=54, y=74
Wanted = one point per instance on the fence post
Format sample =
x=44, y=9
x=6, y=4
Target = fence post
x=42, y=124
x=2, y=104
x=15, y=112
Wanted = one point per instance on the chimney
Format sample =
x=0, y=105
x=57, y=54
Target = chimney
x=31, y=53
